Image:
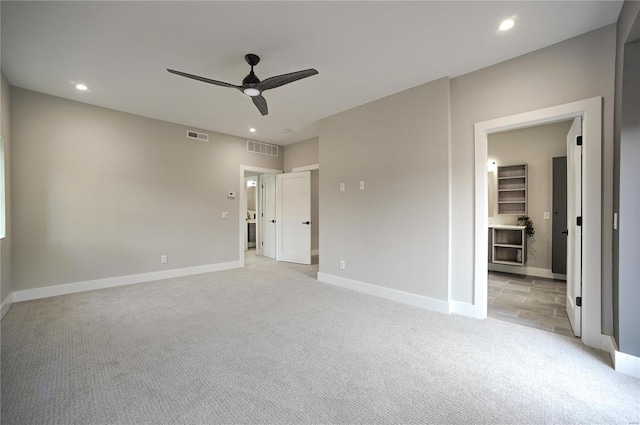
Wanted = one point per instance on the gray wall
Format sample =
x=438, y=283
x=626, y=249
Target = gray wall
x=99, y=193
x=626, y=252
x=579, y=68
x=395, y=233
x=536, y=147
x=298, y=155
x=5, y=131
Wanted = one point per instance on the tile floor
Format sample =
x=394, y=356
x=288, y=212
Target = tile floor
x=529, y=301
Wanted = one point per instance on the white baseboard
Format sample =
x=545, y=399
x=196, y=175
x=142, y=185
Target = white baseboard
x=622, y=362
x=627, y=364
x=90, y=285
x=527, y=271
x=6, y=304
x=608, y=344
x=387, y=293
x=315, y=252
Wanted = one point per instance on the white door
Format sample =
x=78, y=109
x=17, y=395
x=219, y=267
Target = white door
x=268, y=183
x=293, y=221
x=574, y=239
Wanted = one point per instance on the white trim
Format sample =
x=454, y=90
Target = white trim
x=242, y=199
x=110, y=282
x=315, y=252
x=306, y=168
x=387, y=293
x=609, y=345
x=526, y=271
x=463, y=309
x=591, y=112
x=6, y=304
x=622, y=362
x=627, y=364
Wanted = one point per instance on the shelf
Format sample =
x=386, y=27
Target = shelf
x=509, y=245
x=510, y=263
x=512, y=189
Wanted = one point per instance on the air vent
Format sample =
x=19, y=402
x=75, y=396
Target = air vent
x=197, y=136
x=262, y=148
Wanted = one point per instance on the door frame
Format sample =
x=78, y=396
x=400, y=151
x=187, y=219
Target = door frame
x=591, y=112
x=242, y=199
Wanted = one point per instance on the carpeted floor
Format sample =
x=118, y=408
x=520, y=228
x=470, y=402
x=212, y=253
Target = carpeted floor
x=269, y=344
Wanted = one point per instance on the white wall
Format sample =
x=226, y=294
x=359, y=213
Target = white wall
x=576, y=69
x=536, y=147
x=99, y=193
x=395, y=233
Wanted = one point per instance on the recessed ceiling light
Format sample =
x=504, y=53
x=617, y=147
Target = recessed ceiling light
x=506, y=24
x=81, y=87
x=253, y=130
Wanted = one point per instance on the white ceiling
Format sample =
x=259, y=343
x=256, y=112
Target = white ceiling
x=362, y=50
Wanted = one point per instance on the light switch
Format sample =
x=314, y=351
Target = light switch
x=342, y=187
x=547, y=216
x=225, y=214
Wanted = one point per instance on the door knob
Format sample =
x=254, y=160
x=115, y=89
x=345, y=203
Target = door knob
x=566, y=232
x=273, y=221
x=306, y=222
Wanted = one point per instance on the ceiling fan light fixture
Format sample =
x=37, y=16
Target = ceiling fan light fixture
x=250, y=91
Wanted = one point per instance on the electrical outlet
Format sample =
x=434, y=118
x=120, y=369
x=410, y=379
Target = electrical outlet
x=342, y=265
x=225, y=214
x=163, y=259
x=361, y=184
x=342, y=187
x=547, y=216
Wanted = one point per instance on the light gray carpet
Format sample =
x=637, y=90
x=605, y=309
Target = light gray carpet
x=269, y=344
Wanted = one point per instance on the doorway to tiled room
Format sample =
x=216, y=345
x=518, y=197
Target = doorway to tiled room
x=525, y=284
x=529, y=301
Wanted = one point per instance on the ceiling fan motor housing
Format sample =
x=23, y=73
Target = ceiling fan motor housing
x=250, y=80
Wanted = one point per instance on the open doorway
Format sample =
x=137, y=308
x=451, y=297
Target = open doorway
x=589, y=111
x=277, y=212
x=527, y=212
x=251, y=221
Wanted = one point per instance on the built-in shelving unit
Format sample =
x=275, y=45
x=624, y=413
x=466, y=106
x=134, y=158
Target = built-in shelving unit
x=512, y=189
x=509, y=245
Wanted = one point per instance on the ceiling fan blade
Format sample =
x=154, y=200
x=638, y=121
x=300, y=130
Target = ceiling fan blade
x=204, y=80
x=281, y=80
x=261, y=104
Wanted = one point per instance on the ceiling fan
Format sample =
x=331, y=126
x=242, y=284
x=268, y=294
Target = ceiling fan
x=251, y=85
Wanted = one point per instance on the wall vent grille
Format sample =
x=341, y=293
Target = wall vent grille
x=262, y=148
x=197, y=136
